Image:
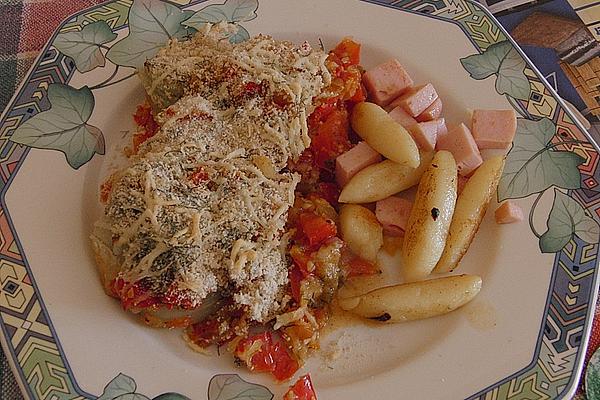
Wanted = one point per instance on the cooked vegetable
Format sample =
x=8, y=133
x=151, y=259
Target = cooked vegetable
x=379, y=181
x=262, y=353
x=302, y=390
x=470, y=209
x=430, y=217
x=385, y=135
x=361, y=231
x=416, y=300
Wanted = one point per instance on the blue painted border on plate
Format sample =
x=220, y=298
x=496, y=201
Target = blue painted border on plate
x=587, y=325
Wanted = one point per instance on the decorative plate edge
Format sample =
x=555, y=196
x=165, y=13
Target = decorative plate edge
x=569, y=387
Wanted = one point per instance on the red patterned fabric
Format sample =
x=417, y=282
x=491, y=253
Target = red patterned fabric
x=594, y=342
x=40, y=19
x=25, y=26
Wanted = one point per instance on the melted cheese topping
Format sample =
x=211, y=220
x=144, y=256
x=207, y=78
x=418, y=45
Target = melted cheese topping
x=203, y=205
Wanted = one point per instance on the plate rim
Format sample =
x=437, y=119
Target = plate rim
x=568, y=389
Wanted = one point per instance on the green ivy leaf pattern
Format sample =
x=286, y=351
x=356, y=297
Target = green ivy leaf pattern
x=533, y=165
x=232, y=387
x=511, y=76
x=503, y=60
x=64, y=126
x=567, y=218
x=592, y=377
x=84, y=46
x=240, y=36
x=232, y=11
x=122, y=387
x=171, y=396
x=481, y=66
x=151, y=24
x=131, y=396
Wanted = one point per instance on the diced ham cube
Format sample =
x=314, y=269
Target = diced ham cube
x=425, y=134
x=442, y=128
x=417, y=101
x=398, y=100
x=432, y=112
x=352, y=161
x=393, y=214
x=508, y=213
x=400, y=116
x=460, y=185
x=386, y=81
x=494, y=129
x=393, y=231
x=461, y=144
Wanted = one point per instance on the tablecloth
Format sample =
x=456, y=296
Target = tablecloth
x=25, y=26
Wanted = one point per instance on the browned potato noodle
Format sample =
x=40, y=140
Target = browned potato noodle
x=415, y=300
x=429, y=220
x=471, y=206
x=383, y=134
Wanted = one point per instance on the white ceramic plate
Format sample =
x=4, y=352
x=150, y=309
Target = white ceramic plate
x=523, y=337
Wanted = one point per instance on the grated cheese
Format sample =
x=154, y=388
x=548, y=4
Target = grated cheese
x=237, y=113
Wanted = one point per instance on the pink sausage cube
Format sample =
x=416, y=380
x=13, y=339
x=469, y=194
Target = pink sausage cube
x=398, y=100
x=425, y=134
x=461, y=144
x=418, y=101
x=352, y=161
x=400, y=116
x=508, y=213
x=432, y=112
x=442, y=128
x=386, y=81
x=393, y=214
x=392, y=230
x=494, y=129
x=462, y=181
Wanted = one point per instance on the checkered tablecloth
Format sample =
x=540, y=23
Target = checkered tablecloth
x=25, y=26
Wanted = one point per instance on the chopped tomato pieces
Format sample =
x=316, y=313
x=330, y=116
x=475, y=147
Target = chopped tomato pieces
x=204, y=333
x=105, y=189
x=198, y=176
x=261, y=360
x=322, y=112
x=331, y=138
x=138, y=296
x=133, y=295
x=254, y=89
x=139, y=138
x=262, y=354
x=351, y=78
x=175, y=297
x=302, y=390
x=145, y=120
x=329, y=126
x=317, y=229
x=181, y=322
x=296, y=277
x=357, y=266
x=221, y=327
x=359, y=96
x=285, y=365
x=348, y=52
x=301, y=257
x=329, y=191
